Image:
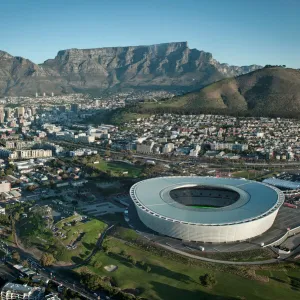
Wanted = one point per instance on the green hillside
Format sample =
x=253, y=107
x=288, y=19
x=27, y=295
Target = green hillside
x=273, y=91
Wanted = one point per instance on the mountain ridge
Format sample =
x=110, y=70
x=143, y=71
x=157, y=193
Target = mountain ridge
x=273, y=91
x=160, y=66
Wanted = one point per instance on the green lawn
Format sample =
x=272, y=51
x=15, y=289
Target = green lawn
x=44, y=239
x=90, y=231
x=117, y=168
x=169, y=279
x=288, y=276
x=202, y=206
x=248, y=174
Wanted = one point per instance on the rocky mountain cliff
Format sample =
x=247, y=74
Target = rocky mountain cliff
x=162, y=66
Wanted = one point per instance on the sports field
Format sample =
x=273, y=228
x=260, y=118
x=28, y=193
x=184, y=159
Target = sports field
x=202, y=206
x=118, y=168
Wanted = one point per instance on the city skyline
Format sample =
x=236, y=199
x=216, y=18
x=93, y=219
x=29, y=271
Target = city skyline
x=235, y=33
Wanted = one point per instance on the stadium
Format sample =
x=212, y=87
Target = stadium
x=206, y=209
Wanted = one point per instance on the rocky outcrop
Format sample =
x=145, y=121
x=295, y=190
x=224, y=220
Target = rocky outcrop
x=162, y=66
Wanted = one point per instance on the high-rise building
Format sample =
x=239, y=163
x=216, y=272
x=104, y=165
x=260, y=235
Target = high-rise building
x=36, y=95
x=44, y=94
x=52, y=94
x=21, y=111
x=74, y=107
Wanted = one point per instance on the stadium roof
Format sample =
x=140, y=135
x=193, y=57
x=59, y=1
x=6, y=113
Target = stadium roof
x=292, y=185
x=256, y=200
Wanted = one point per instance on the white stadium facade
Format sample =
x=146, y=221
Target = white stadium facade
x=206, y=209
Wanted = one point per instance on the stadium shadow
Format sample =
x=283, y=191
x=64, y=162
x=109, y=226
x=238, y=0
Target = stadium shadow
x=170, y=274
x=166, y=291
x=121, y=259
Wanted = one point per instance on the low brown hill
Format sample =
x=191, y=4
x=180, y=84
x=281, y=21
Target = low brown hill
x=268, y=91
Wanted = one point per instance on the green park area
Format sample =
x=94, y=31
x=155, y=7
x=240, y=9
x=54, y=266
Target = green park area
x=83, y=235
x=254, y=174
x=159, y=277
x=117, y=169
x=248, y=174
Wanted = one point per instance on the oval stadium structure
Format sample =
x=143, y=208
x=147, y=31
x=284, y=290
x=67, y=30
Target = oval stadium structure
x=206, y=209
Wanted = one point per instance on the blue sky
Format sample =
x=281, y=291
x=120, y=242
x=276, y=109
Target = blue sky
x=239, y=32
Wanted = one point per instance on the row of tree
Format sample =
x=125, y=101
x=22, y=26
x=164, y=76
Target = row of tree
x=275, y=66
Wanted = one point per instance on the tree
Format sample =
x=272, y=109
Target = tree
x=97, y=264
x=65, y=176
x=148, y=269
x=25, y=263
x=133, y=261
x=16, y=256
x=47, y=259
x=207, y=280
x=142, y=263
x=31, y=187
x=4, y=220
x=91, y=281
x=16, y=216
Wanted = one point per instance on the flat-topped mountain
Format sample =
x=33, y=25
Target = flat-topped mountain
x=161, y=66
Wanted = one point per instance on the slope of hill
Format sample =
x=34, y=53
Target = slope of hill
x=162, y=66
x=266, y=92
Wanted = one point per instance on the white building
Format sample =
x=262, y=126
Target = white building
x=206, y=209
x=19, y=291
x=169, y=147
x=5, y=186
x=31, y=153
x=195, y=152
x=145, y=147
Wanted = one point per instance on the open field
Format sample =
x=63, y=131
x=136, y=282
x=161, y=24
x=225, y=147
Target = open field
x=254, y=174
x=170, y=279
x=118, y=168
x=248, y=174
x=89, y=233
x=35, y=234
x=287, y=276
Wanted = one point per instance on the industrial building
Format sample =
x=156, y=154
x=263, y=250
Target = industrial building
x=206, y=209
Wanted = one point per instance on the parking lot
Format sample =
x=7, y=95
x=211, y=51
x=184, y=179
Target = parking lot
x=100, y=209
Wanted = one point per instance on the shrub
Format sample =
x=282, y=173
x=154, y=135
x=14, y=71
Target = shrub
x=207, y=280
